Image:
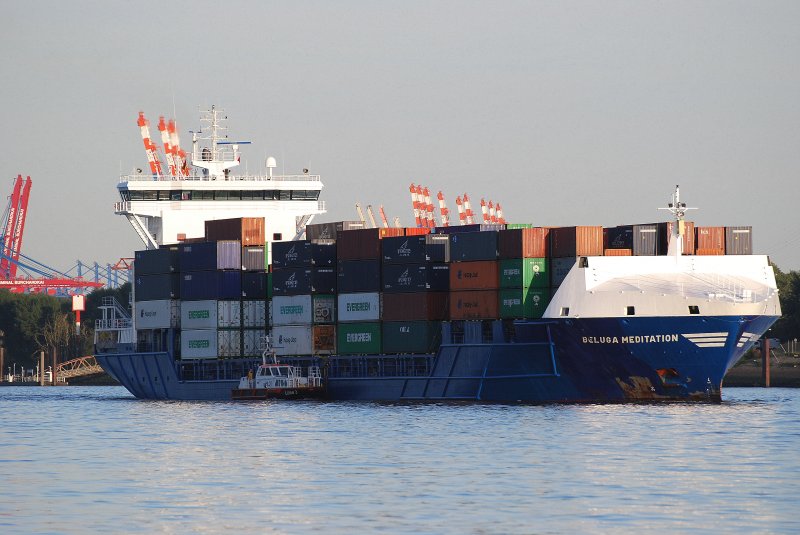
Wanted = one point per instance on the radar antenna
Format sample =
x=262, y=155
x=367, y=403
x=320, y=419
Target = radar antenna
x=678, y=209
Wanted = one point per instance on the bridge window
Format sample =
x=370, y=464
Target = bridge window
x=202, y=195
x=150, y=195
x=126, y=195
x=694, y=309
x=248, y=195
x=305, y=195
x=565, y=311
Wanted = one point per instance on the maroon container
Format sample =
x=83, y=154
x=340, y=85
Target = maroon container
x=576, y=241
x=363, y=244
x=415, y=306
x=248, y=230
x=524, y=243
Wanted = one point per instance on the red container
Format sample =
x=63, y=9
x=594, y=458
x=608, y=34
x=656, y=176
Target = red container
x=363, y=244
x=248, y=230
x=524, y=243
x=417, y=231
x=710, y=240
x=415, y=306
x=479, y=275
x=618, y=252
x=576, y=241
x=474, y=305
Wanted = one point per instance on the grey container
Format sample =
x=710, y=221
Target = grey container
x=738, y=240
x=253, y=258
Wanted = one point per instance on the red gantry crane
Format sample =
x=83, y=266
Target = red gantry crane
x=13, y=228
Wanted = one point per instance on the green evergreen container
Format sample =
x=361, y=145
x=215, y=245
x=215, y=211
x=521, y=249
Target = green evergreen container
x=518, y=225
x=359, y=338
x=524, y=273
x=411, y=336
x=524, y=303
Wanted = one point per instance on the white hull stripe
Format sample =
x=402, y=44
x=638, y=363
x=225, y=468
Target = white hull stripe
x=707, y=339
x=745, y=338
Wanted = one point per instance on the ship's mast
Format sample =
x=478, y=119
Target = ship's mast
x=678, y=210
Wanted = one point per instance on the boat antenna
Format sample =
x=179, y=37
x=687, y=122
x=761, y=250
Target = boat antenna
x=678, y=210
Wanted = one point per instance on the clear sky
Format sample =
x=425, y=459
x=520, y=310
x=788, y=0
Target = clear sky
x=567, y=113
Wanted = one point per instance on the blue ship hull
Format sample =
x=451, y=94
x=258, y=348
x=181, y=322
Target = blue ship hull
x=544, y=361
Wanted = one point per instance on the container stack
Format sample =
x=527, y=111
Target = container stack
x=303, y=298
x=524, y=272
x=474, y=275
x=156, y=287
x=567, y=244
x=416, y=281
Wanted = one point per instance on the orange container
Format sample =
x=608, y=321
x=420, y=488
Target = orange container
x=576, y=241
x=474, y=305
x=478, y=275
x=248, y=230
x=524, y=243
x=688, y=236
x=618, y=252
x=710, y=239
x=709, y=252
x=417, y=231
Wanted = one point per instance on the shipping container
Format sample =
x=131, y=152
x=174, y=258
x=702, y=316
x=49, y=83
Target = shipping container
x=324, y=309
x=358, y=276
x=254, y=257
x=254, y=284
x=161, y=314
x=417, y=231
x=481, y=275
x=199, y=315
x=157, y=261
x=229, y=254
x=292, y=309
x=473, y=246
x=254, y=313
x=247, y=230
x=642, y=240
x=358, y=338
x=437, y=247
x=524, y=303
x=291, y=340
x=254, y=342
x=710, y=252
x=739, y=240
x=198, y=256
x=512, y=226
x=324, y=339
x=474, y=305
x=156, y=287
x=617, y=252
x=229, y=343
x=710, y=239
x=523, y=242
x=210, y=343
x=416, y=306
x=404, y=250
x=411, y=336
x=689, y=246
x=291, y=254
x=416, y=277
x=559, y=269
x=229, y=314
x=524, y=272
x=477, y=227
x=323, y=254
x=299, y=281
x=576, y=241
x=358, y=307
x=328, y=231
x=203, y=285
x=364, y=244
x=269, y=285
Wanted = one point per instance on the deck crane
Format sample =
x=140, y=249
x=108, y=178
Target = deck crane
x=460, y=207
x=168, y=152
x=13, y=229
x=149, y=147
x=484, y=210
x=416, y=205
x=383, y=217
x=443, y=209
x=178, y=154
x=468, y=210
x=371, y=216
x=361, y=214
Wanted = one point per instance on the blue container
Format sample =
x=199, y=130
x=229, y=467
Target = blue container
x=203, y=285
x=300, y=281
x=290, y=254
x=155, y=261
x=254, y=284
x=323, y=254
x=404, y=250
x=198, y=256
x=156, y=287
x=359, y=276
x=416, y=277
x=437, y=247
x=472, y=246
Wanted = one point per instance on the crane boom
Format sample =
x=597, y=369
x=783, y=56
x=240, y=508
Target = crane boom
x=9, y=224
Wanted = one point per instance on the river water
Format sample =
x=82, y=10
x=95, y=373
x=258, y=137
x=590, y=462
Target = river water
x=95, y=459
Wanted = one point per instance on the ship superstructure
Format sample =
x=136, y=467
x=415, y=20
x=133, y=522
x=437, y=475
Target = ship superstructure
x=171, y=203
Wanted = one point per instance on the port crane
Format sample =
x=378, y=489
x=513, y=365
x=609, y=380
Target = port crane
x=11, y=258
x=423, y=209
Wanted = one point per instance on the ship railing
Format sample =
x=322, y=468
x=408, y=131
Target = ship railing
x=112, y=324
x=122, y=207
x=231, y=178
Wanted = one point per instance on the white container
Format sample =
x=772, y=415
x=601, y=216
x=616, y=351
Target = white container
x=291, y=310
x=359, y=307
x=229, y=254
x=254, y=314
x=199, y=314
x=324, y=309
x=229, y=314
x=253, y=342
x=162, y=314
x=198, y=344
x=229, y=343
x=292, y=339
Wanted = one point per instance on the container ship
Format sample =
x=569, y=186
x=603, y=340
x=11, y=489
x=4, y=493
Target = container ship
x=234, y=269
